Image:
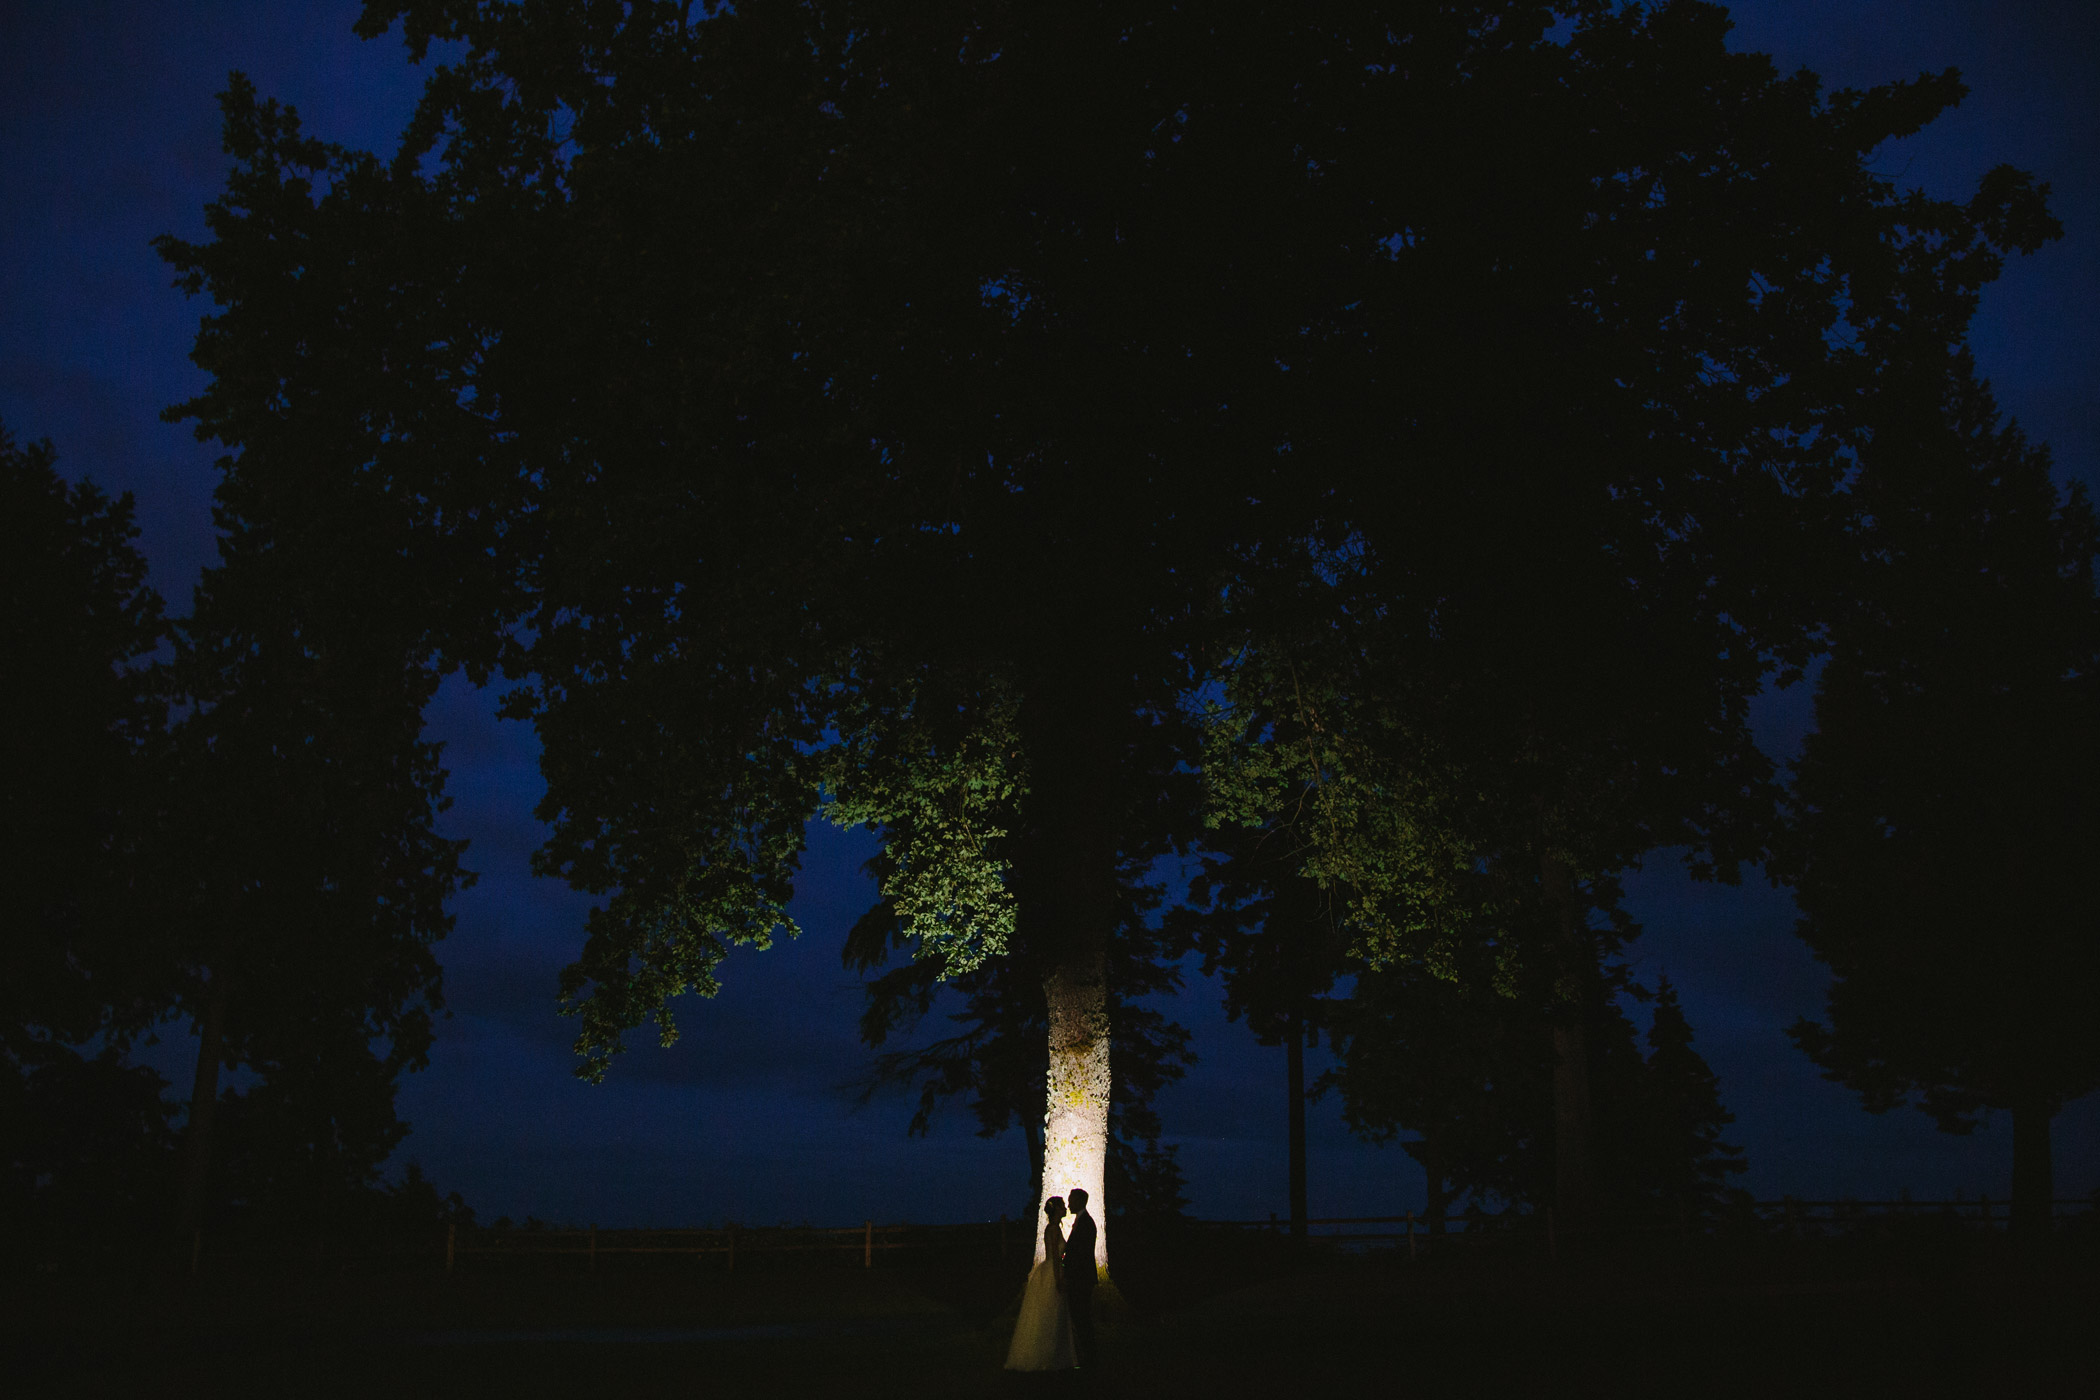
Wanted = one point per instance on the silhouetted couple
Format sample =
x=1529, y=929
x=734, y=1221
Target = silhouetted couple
x=1056, y=1328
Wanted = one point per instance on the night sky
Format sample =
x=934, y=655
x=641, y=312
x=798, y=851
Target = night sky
x=109, y=136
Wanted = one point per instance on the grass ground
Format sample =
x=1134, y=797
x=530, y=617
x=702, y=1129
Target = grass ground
x=1858, y=1325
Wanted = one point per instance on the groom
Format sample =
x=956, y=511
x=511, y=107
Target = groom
x=1080, y=1276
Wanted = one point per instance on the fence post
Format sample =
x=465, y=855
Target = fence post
x=1985, y=1203
x=1002, y=1234
x=867, y=1244
x=732, y=1249
x=451, y=1244
x=594, y=1249
x=1410, y=1237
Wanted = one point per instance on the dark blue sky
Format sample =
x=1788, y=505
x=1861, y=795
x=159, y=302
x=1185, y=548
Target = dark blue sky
x=109, y=135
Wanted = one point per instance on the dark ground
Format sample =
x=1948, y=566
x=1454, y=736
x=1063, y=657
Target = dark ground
x=1872, y=1319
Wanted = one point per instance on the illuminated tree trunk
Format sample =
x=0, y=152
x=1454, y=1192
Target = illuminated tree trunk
x=1075, y=1119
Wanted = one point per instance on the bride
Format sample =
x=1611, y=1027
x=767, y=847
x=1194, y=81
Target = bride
x=1043, y=1335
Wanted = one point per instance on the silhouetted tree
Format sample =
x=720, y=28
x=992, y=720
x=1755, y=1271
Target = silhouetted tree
x=1277, y=940
x=1687, y=1164
x=1431, y=831
x=1460, y=1062
x=1943, y=808
x=925, y=379
x=80, y=717
x=87, y=1137
x=302, y=874
x=267, y=867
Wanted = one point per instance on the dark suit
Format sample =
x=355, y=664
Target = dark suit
x=1080, y=1277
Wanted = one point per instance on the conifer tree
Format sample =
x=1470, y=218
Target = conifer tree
x=1689, y=1162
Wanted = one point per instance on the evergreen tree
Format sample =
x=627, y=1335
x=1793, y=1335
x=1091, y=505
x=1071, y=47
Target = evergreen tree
x=1689, y=1165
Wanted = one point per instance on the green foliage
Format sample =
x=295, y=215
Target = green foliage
x=1331, y=781
x=946, y=810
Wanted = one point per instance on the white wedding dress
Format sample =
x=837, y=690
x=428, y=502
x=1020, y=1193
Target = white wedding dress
x=1043, y=1335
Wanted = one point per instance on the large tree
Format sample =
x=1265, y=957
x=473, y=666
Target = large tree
x=799, y=401
x=1943, y=807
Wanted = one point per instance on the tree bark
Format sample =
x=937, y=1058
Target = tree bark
x=1573, y=1145
x=204, y=1105
x=1294, y=1059
x=2034, y=1172
x=1075, y=1120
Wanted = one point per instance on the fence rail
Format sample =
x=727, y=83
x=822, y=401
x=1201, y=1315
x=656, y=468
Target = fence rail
x=1785, y=1218
x=1793, y=1216
x=726, y=1241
